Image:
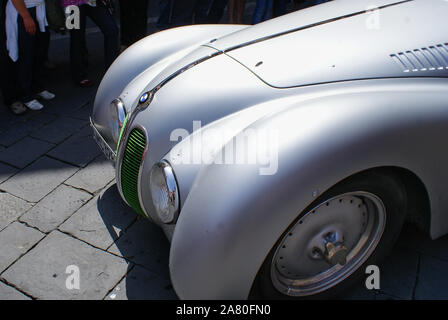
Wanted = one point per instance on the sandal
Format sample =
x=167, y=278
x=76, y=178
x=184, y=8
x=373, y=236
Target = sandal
x=17, y=108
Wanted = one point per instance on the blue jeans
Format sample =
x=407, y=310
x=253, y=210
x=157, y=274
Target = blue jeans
x=262, y=11
x=103, y=19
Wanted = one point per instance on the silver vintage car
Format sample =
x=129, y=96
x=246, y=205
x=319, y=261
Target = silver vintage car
x=282, y=159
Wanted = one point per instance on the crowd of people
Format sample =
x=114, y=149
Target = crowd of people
x=25, y=35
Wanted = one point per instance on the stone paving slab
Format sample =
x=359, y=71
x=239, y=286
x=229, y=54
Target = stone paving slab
x=25, y=151
x=79, y=149
x=11, y=208
x=42, y=271
x=144, y=244
x=84, y=113
x=414, y=239
x=141, y=284
x=24, y=126
x=59, y=130
x=6, y=171
x=9, y=293
x=39, y=179
x=399, y=273
x=55, y=208
x=95, y=176
x=15, y=240
x=432, y=280
x=101, y=221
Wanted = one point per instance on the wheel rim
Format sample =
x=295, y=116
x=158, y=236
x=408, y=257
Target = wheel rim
x=328, y=244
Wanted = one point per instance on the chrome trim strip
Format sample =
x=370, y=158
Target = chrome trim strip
x=140, y=171
x=310, y=26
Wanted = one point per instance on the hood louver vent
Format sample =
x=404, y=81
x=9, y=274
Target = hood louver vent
x=432, y=58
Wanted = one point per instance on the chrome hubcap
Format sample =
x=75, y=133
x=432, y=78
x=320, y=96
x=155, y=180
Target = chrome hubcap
x=328, y=244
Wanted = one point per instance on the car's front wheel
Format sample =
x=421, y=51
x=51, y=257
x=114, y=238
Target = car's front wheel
x=327, y=248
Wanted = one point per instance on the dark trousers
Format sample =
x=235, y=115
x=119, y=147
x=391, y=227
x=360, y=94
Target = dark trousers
x=31, y=58
x=104, y=20
x=133, y=20
x=8, y=71
x=216, y=11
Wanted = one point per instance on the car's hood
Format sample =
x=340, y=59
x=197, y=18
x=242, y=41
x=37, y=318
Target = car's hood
x=267, y=38
x=340, y=41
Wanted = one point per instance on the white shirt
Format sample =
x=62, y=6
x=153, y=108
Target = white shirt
x=11, y=26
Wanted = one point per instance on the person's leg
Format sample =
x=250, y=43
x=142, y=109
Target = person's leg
x=46, y=43
x=27, y=47
x=39, y=59
x=77, y=40
x=240, y=8
x=8, y=80
x=104, y=20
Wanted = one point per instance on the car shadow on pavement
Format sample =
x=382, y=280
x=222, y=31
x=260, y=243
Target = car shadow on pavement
x=142, y=244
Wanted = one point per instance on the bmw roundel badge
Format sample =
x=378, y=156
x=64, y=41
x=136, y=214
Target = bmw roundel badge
x=144, y=97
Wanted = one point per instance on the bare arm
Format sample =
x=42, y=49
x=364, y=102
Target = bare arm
x=28, y=21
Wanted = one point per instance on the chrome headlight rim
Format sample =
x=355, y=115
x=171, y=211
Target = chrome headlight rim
x=118, y=116
x=162, y=177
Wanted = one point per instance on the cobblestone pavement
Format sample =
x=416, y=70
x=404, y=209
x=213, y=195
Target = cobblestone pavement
x=59, y=206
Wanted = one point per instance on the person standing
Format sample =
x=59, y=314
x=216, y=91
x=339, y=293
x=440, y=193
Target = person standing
x=8, y=80
x=25, y=28
x=133, y=21
x=98, y=11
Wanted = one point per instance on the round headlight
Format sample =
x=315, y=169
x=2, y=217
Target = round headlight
x=118, y=115
x=164, y=191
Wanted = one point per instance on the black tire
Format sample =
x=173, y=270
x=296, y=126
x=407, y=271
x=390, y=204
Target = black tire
x=384, y=185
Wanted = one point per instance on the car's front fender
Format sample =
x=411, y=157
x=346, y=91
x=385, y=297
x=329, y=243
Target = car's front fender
x=233, y=215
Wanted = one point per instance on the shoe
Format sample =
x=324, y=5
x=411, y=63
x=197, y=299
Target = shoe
x=86, y=83
x=17, y=108
x=46, y=95
x=34, y=105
